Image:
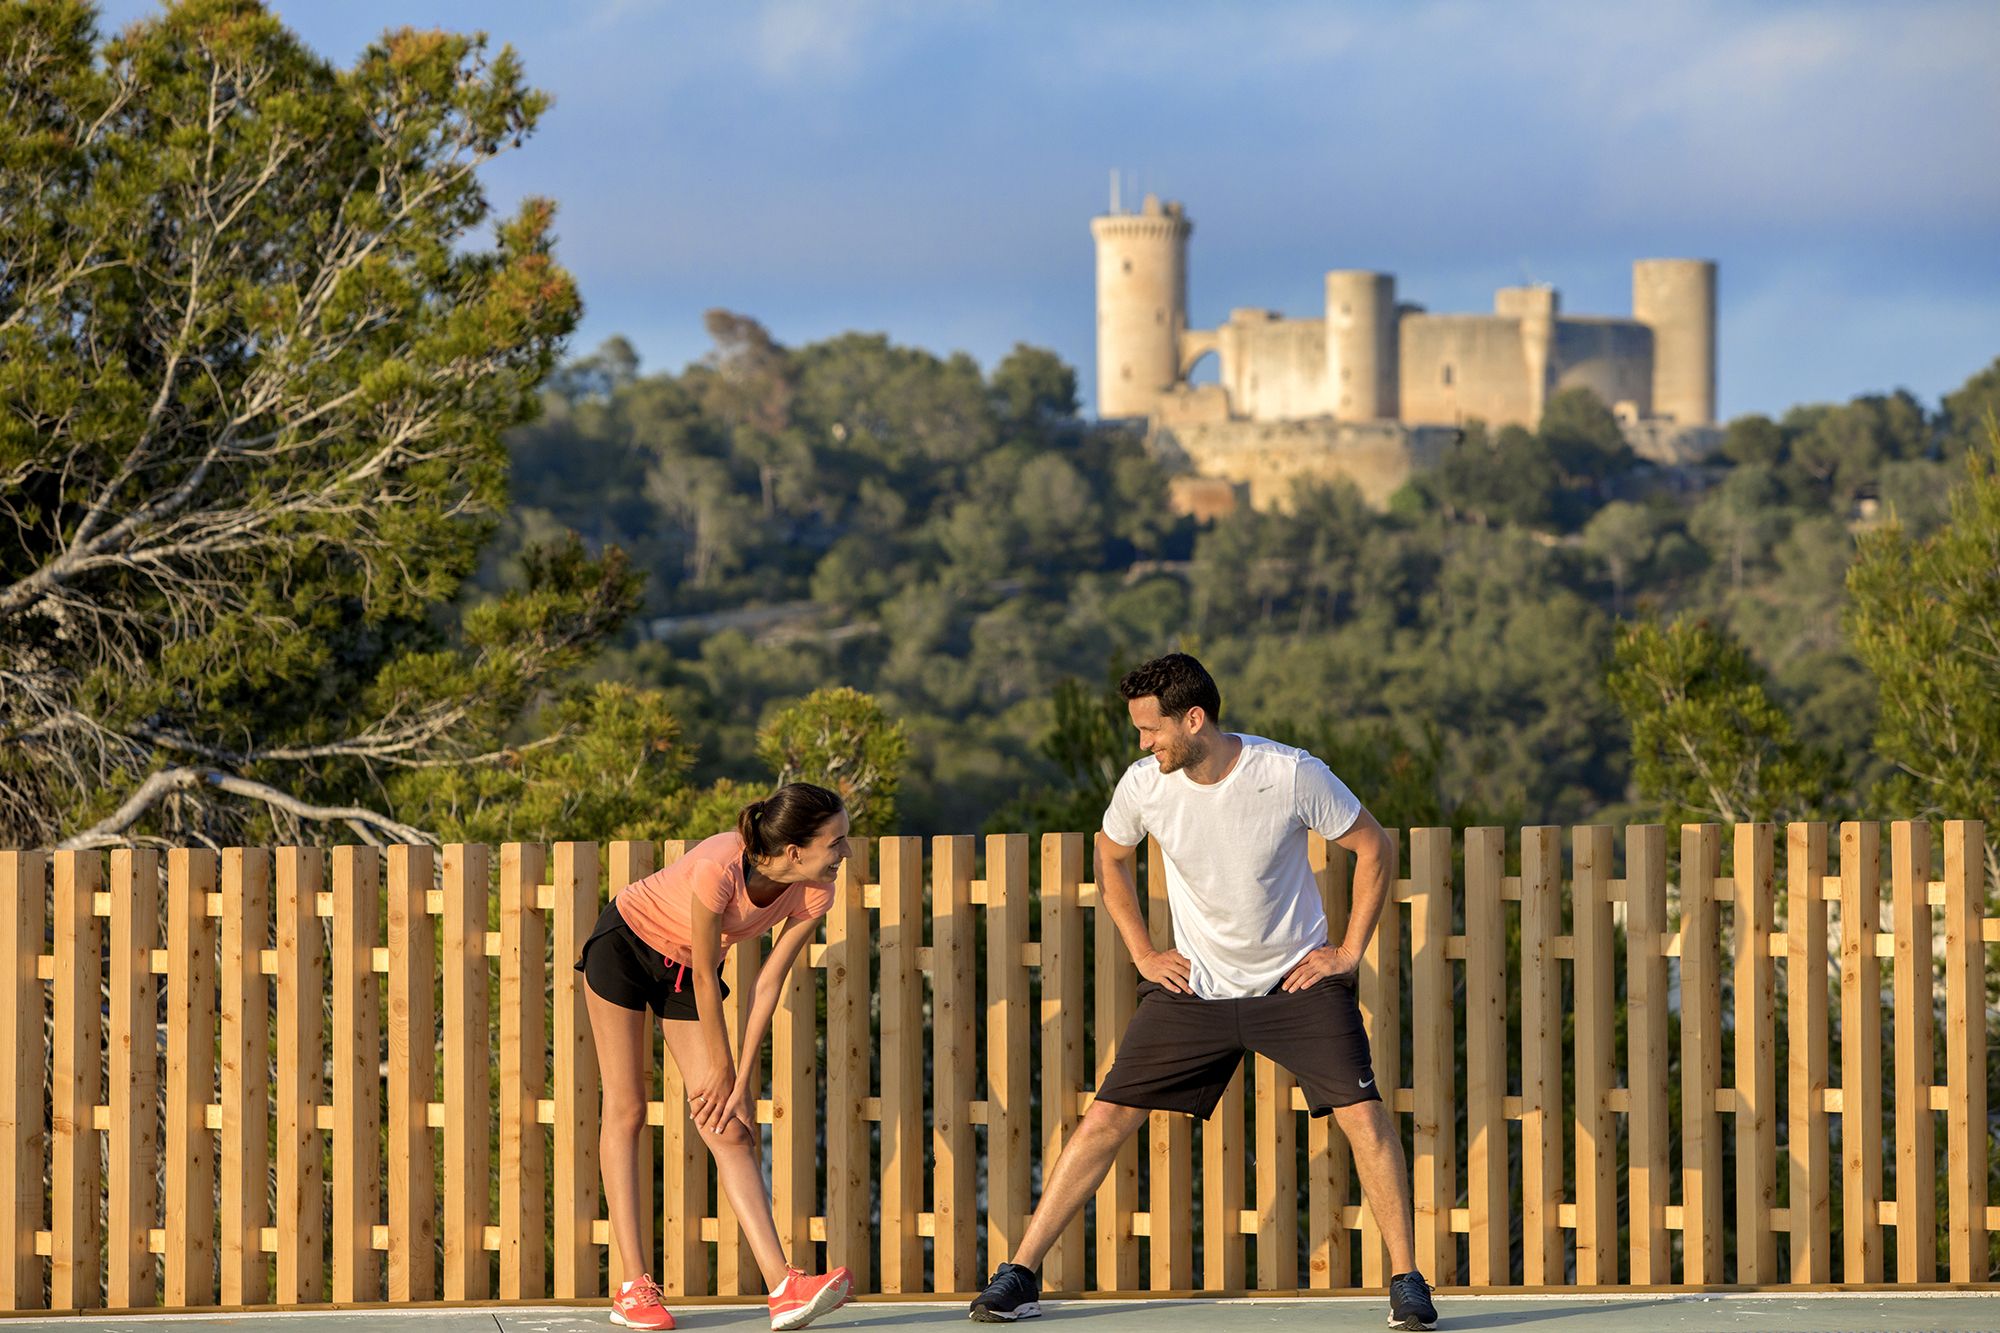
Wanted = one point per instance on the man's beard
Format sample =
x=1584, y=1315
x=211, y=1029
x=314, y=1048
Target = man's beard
x=1176, y=757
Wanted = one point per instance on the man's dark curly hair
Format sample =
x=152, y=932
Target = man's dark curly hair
x=1178, y=682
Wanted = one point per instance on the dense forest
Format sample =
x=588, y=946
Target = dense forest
x=968, y=550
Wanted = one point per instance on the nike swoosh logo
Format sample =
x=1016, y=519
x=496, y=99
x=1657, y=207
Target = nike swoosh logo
x=1367, y=1082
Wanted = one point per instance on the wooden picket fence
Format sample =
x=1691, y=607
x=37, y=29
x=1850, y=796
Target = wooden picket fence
x=303, y=1076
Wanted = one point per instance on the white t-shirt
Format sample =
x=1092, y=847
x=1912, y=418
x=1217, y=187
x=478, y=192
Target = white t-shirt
x=1245, y=905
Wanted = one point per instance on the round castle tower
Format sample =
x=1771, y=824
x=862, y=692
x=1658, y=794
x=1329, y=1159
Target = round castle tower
x=1676, y=299
x=1362, y=375
x=1141, y=305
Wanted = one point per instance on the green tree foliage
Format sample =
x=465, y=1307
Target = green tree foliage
x=842, y=739
x=1968, y=413
x=255, y=372
x=1924, y=616
x=1708, y=743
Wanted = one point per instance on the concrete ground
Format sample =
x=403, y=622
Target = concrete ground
x=1891, y=1312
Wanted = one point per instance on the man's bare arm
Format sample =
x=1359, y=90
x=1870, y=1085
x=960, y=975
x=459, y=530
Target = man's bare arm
x=1118, y=894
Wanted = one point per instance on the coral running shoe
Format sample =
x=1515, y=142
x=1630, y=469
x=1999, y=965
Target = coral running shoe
x=637, y=1305
x=800, y=1299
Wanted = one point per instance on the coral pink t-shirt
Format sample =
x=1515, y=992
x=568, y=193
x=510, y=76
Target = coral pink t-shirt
x=659, y=908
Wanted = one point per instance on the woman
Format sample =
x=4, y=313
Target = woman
x=659, y=946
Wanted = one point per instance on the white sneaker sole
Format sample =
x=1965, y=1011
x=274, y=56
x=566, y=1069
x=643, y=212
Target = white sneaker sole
x=623, y=1322
x=1025, y=1310
x=830, y=1298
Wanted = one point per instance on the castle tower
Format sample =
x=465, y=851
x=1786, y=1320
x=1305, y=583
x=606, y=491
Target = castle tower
x=1141, y=305
x=1361, y=353
x=1676, y=299
x=1536, y=308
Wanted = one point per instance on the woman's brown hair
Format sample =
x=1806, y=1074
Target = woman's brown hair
x=790, y=816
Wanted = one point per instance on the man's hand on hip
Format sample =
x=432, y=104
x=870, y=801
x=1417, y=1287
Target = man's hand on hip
x=1332, y=961
x=1168, y=967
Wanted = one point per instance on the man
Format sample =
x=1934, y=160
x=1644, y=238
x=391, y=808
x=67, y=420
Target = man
x=1251, y=968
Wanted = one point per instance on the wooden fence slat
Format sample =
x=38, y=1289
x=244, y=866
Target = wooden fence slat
x=301, y=1042
x=189, y=1273
x=1117, y=984
x=412, y=1075
x=1756, y=1055
x=736, y=1271
x=1010, y=1130
x=579, y=1190
x=1860, y=1051
x=75, y=1275
x=1542, y=1177
x=132, y=1148
x=954, y=1067
x=1169, y=1134
x=1806, y=1036
x=1277, y=1178
x=246, y=1077
x=902, y=934
x=24, y=909
x=1222, y=1140
x=1064, y=1004
x=357, y=1079
x=1916, y=983
x=1701, y=1055
x=468, y=1090
x=1382, y=1014
x=1649, y=1183
x=625, y=863
x=1965, y=1045
x=794, y=1118
x=1327, y=1248
x=850, y=1047
x=1488, y=1190
x=685, y=1267
x=1433, y=1052
x=1596, y=1071
x=524, y=1061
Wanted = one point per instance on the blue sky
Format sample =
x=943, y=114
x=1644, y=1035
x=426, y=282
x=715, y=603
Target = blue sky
x=929, y=169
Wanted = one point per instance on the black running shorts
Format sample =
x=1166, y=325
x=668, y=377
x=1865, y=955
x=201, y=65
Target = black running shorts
x=1180, y=1051
x=623, y=968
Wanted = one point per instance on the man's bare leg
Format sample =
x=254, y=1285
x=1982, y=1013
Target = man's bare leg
x=1079, y=1169
x=1384, y=1176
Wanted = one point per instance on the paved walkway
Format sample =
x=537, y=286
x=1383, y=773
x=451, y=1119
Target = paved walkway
x=1871, y=1313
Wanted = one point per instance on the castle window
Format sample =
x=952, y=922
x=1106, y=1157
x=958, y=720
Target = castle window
x=1125, y=372
x=1128, y=266
x=1447, y=372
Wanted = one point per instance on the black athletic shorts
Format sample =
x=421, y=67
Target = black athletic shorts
x=1180, y=1051
x=623, y=968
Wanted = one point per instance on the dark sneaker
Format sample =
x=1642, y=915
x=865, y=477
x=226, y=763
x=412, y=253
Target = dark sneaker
x=1410, y=1302
x=1014, y=1293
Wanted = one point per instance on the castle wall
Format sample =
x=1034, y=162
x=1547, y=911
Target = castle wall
x=1267, y=458
x=1457, y=367
x=1274, y=368
x=1613, y=358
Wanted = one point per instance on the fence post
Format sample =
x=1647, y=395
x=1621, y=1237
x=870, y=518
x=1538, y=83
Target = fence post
x=132, y=1148
x=524, y=1057
x=850, y=1175
x=1596, y=1015
x=301, y=1211
x=468, y=1090
x=1648, y=1181
x=1861, y=1051
x=412, y=1074
x=24, y=907
x=1063, y=1007
x=1701, y=1055
x=78, y=1033
x=357, y=1080
x=1805, y=1002
x=1965, y=1044
x=190, y=1175
x=1488, y=1194
x=954, y=1070
x=1542, y=1186
x=246, y=1079
x=1756, y=1056
x=902, y=933
x=578, y=1194
x=1010, y=1131
x=1916, y=984
x=1433, y=1051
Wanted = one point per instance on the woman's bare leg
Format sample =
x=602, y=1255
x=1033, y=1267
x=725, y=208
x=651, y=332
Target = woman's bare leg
x=737, y=1164
x=620, y=1037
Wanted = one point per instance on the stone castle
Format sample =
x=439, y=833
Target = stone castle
x=1374, y=389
